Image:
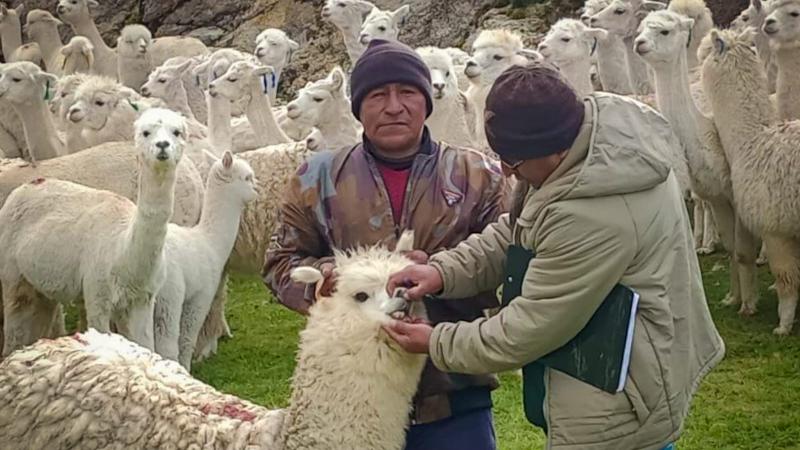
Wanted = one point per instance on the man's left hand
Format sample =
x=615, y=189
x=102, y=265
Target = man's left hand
x=413, y=337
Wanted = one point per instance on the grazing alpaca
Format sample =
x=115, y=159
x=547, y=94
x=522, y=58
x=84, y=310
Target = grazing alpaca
x=42, y=28
x=274, y=49
x=663, y=43
x=26, y=87
x=348, y=16
x=380, y=24
x=325, y=104
x=195, y=258
x=133, y=56
x=78, y=56
x=351, y=390
x=782, y=26
x=91, y=244
x=76, y=14
x=570, y=45
x=454, y=118
x=763, y=159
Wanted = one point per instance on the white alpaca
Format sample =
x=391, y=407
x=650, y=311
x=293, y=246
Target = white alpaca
x=754, y=16
x=454, y=118
x=246, y=80
x=762, y=157
x=11, y=31
x=460, y=58
x=195, y=258
x=274, y=49
x=622, y=18
x=166, y=47
x=133, y=56
x=782, y=25
x=91, y=244
x=27, y=88
x=155, y=403
x=42, y=28
x=214, y=66
x=703, y=23
x=76, y=14
x=380, y=24
x=570, y=45
x=62, y=101
x=78, y=56
x=663, y=44
x=348, y=16
x=166, y=83
x=492, y=53
x=325, y=104
x=610, y=57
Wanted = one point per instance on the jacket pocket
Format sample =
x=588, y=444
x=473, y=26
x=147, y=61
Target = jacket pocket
x=637, y=401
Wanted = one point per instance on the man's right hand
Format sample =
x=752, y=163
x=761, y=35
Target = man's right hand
x=327, y=285
x=419, y=279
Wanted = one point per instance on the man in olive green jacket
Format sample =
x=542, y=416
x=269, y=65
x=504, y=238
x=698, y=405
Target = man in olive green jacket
x=605, y=209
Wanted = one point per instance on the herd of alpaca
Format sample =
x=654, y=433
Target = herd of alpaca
x=182, y=152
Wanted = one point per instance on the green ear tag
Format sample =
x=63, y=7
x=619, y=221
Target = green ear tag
x=133, y=105
x=47, y=91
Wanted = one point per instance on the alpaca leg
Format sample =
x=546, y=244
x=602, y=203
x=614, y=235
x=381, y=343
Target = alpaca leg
x=762, y=256
x=214, y=325
x=136, y=324
x=710, y=234
x=28, y=315
x=697, y=217
x=167, y=321
x=194, y=313
x=58, y=327
x=784, y=262
x=745, y=255
x=726, y=224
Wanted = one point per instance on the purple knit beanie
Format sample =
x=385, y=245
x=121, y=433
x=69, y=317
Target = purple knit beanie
x=531, y=112
x=387, y=62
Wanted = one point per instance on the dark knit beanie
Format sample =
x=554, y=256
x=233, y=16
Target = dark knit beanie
x=387, y=62
x=531, y=112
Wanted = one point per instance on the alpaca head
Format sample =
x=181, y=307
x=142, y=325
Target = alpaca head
x=97, y=100
x=592, y=7
x=39, y=24
x=732, y=73
x=64, y=95
x=318, y=100
x=25, y=83
x=622, y=17
x=753, y=16
x=78, y=55
x=380, y=24
x=362, y=277
x=73, y=11
x=274, y=48
x=346, y=14
x=10, y=17
x=459, y=57
x=570, y=41
x=134, y=41
x=217, y=63
x=160, y=137
x=663, y=38
x=235, y=177
x=782, y=25
x=493, y=52
x=237, y=82
x=315, y=141
x=166, y=78
x=443, y=73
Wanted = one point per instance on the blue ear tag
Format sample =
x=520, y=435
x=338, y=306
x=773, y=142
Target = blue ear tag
x=274, y=82
x=264, y=85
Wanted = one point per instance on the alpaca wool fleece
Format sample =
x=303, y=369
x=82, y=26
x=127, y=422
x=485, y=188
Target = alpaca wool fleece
x=387, y=62
x=531, y=112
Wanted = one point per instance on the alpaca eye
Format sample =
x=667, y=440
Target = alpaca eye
x=665, y=32
x=619, y=12
x=162, y=80
x=340, y=5
x=382, y=28
x=16, y=80
x=565, y=39
x=248, y=178
x=318, y=99
x=176, y=133
x=794, y=14
x=498, y=57
x=361, y=297
x=745, y=19
x=100, y=103
x=232, y=80
x=447, y=74
x=146, y=133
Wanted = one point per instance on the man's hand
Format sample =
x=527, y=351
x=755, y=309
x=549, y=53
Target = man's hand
x=418, y=256
x=420, y=279
x=412, y=337
x=327, y=285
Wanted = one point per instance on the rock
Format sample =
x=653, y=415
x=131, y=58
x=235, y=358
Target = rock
x=726, y=10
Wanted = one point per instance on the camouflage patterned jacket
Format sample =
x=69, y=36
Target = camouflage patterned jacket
x=338, y=200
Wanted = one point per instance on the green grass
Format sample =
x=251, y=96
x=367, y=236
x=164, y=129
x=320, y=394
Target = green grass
x=750, y=401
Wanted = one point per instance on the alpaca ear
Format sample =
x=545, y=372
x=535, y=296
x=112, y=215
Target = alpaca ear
x=20, y=9
x=337, y=78
x=649, y=5
x=719, y=43
x=3, y=9
x=406, y=242
x=400, y=14
x=293, y=45
x=306, y=275
x=531, y=54
x=227, y=159
x=597, y=33
x=686, y=23
x=365, y=8
x=262, y=70
x=757, y=5
x=748, y=34
x=92, y=3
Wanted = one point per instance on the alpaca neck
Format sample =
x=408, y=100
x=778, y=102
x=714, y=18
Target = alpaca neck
x=50, y=44
x=178, y=100
x=339, y=126
x=350, y=35
x=133, y=72
x=147, y=232
x=611, y=65
x=85, y=26
x=577, y=73
x=262, y=121
x=788, y=84
x=219, y=123
x=443, y=119
x=219, y=221
x=195, y=97
x=40, y=131
x=338, y=401
x=675, y=101
x=12, y=38
x=637, y=69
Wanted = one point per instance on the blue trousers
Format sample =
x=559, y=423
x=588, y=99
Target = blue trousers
x=473, y=431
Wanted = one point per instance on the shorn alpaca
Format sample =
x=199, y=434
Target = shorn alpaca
x=663, y=44
x=765, y=170
x=90, y=244
x=195, y=258
x=42, y=28
x=782, y=25
x=78, y=56
x=76, y=14
x=274, y=49
x=348, y=16
x=133, y=58
x=352, y=386
x=454, y=118
x=380, y=24
x=570, y=45
x=166, y=83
